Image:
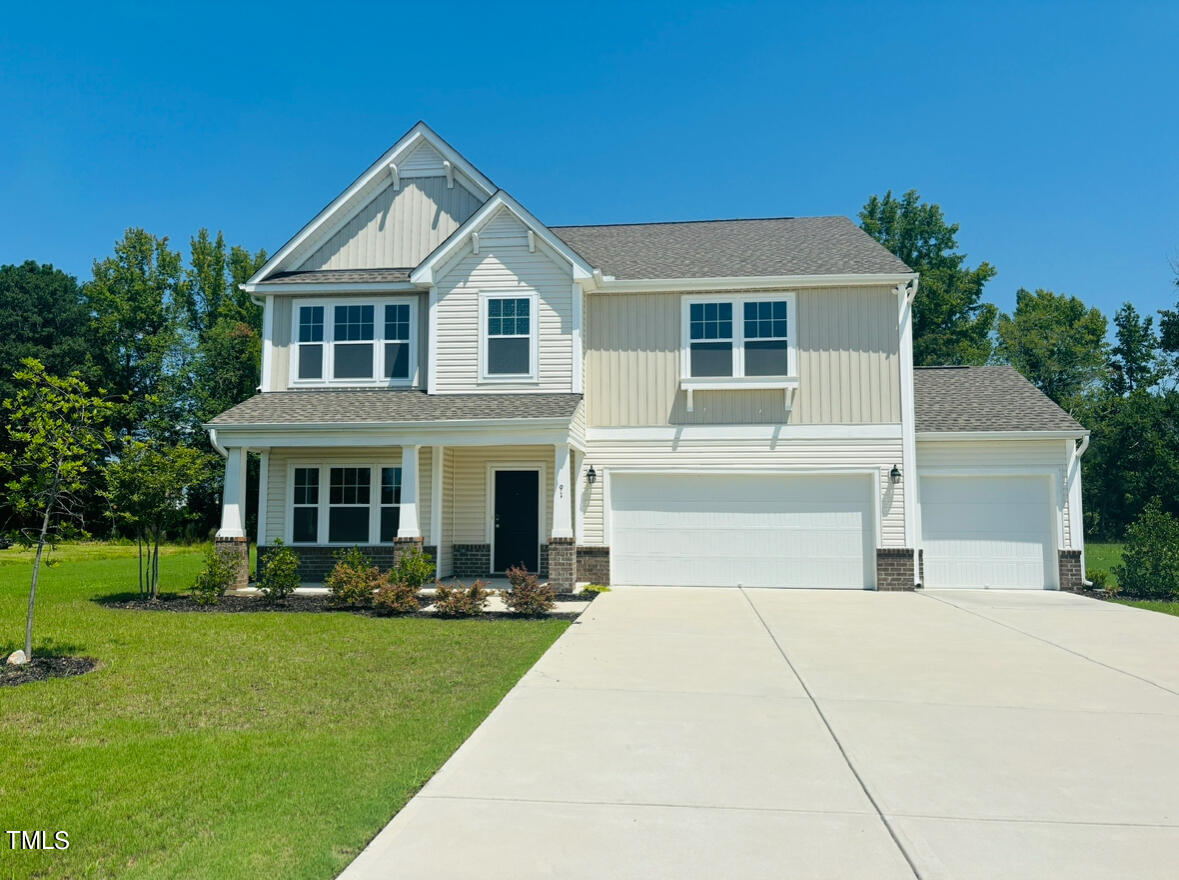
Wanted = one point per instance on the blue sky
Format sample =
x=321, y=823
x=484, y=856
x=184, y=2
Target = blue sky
x=1050, y=132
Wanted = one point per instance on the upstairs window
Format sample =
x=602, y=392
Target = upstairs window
x=509, y=349
x=355, y=343
x=739, y=337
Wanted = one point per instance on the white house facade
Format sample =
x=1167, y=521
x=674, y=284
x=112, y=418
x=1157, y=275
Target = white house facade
x=722, y=403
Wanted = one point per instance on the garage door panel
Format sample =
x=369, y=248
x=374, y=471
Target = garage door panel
x=767, y=531
x=988, y=531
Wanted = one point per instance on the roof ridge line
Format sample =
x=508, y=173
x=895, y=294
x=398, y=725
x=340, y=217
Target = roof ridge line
x=708, y=220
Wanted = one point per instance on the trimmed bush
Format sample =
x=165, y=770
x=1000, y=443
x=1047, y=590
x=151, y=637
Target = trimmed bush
x=1150, y=556
x=218, y=575
x=353, y=579
x=595, y=588
x=280, y=577
x=527, y=596
x=414, y=569
x=397, y=597
x=460, y=600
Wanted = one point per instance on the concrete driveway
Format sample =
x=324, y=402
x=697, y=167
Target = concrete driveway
x=715, y=733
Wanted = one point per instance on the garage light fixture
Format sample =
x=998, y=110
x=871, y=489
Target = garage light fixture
x=894, y=476
x=591, y=476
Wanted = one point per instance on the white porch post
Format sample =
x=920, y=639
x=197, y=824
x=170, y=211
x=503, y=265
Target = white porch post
x=263, y=492
x=233, y=495
x=408, y=527
x=436, y=497
x=562, y=510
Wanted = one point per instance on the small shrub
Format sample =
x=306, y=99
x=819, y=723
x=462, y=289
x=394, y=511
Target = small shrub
x=397, y=597
x=1150, y=557
x=460, y=601
x=414, y=569
x=595, y=588
x=527, y=595
x=280, y=577
x=353, y=579
x=218, y=575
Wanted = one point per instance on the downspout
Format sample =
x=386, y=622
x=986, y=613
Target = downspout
x=1076, y=462
x=905, y=296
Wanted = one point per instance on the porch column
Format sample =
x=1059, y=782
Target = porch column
x=231, y=540
x=233, y=495
x=436, y=497
x=562, y=490
x=562, y=550
x=408, y=527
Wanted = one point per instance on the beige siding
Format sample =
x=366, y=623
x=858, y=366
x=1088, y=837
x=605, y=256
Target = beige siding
x=467, y=516
x=398, y=228
x=284, y=307
x=848, y=363
x=504, y=265
x=1048, y=455
x=740, y=455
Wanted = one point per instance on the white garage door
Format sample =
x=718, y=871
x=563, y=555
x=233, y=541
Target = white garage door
x=755, y=531
x=988, y=532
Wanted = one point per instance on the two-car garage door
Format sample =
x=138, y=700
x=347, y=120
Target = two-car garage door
x=767, y=530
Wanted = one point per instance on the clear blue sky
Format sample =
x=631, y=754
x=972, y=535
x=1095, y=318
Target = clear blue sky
x=1050, y=132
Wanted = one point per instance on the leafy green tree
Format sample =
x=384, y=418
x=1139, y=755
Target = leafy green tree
x=1150, y=560
x=951, y=323
x=1135, y=355
x=148, y=486
x=58, y=430
x=1054, y=341
x=1169, y=336
x=135, y=297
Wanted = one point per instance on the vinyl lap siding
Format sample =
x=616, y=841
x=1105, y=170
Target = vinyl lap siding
x=742, y=455
x=398, y=228
x=848, y=364
x=998, y=454
x=504, y=265
x=468, y=508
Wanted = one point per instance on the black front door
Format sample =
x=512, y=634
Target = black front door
x=517, y=520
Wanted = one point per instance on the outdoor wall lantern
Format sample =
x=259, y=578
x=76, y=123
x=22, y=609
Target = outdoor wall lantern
x=894, y=476
x=591, y=476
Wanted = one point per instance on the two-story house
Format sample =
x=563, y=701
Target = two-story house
x=703, y=403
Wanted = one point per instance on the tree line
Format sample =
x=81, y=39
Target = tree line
x=170, y=340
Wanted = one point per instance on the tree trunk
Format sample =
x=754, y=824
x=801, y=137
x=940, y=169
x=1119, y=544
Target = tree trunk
x=139, y=545
x=155, y=567
x=33, y=586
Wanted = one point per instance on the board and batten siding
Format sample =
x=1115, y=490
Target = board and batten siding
x=848, y=363
x=398, y=228
x=996, y=455
x=504, y=266
x=284, y=306
x=739, y=455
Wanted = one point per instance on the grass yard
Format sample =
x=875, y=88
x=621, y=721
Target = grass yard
x=1159, y=605
x=1103, y=557
x=228, y=745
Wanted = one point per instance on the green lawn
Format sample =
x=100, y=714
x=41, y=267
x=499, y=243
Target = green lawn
x=1163, y=607
x=228, y=745
x=1103, y=557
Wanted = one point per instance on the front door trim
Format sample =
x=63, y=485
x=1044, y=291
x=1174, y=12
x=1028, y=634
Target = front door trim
x=489, y=500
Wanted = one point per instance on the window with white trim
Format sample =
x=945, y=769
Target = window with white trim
x=509, y=337
x=739, y=337
x=346, y=503
x=355, y=342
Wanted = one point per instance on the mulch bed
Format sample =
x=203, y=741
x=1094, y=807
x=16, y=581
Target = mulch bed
x=42, y=668
x=314, y=603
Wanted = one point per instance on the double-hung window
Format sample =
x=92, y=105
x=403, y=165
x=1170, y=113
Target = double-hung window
x=742, y=338
x=390, y=503
x=354, y=343
x=349, y=500
x=305, y=517
x=349, y=503
x=509, y=337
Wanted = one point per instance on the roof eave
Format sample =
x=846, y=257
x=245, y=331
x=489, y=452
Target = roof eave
x=609, y=284
x=1029, y=434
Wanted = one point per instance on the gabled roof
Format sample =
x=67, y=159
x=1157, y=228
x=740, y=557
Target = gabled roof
x=424, y=273
x=981, y=399
x=339, y=276
x=731, y=248
x=362, y=190
x=368, y=407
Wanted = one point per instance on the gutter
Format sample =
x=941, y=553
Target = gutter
x=221, y=450
x=1076, y=457
x=608, y=284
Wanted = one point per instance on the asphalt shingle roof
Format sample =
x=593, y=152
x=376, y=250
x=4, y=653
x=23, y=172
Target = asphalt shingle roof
x=338, y=276
x=731, y=248
x=357, y=407
x=983, y=399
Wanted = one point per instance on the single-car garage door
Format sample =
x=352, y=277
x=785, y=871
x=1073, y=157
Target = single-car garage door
x=769, y=530
x=988, y=532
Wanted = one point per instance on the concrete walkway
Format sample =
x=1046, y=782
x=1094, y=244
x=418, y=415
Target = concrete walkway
x=686, y=733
